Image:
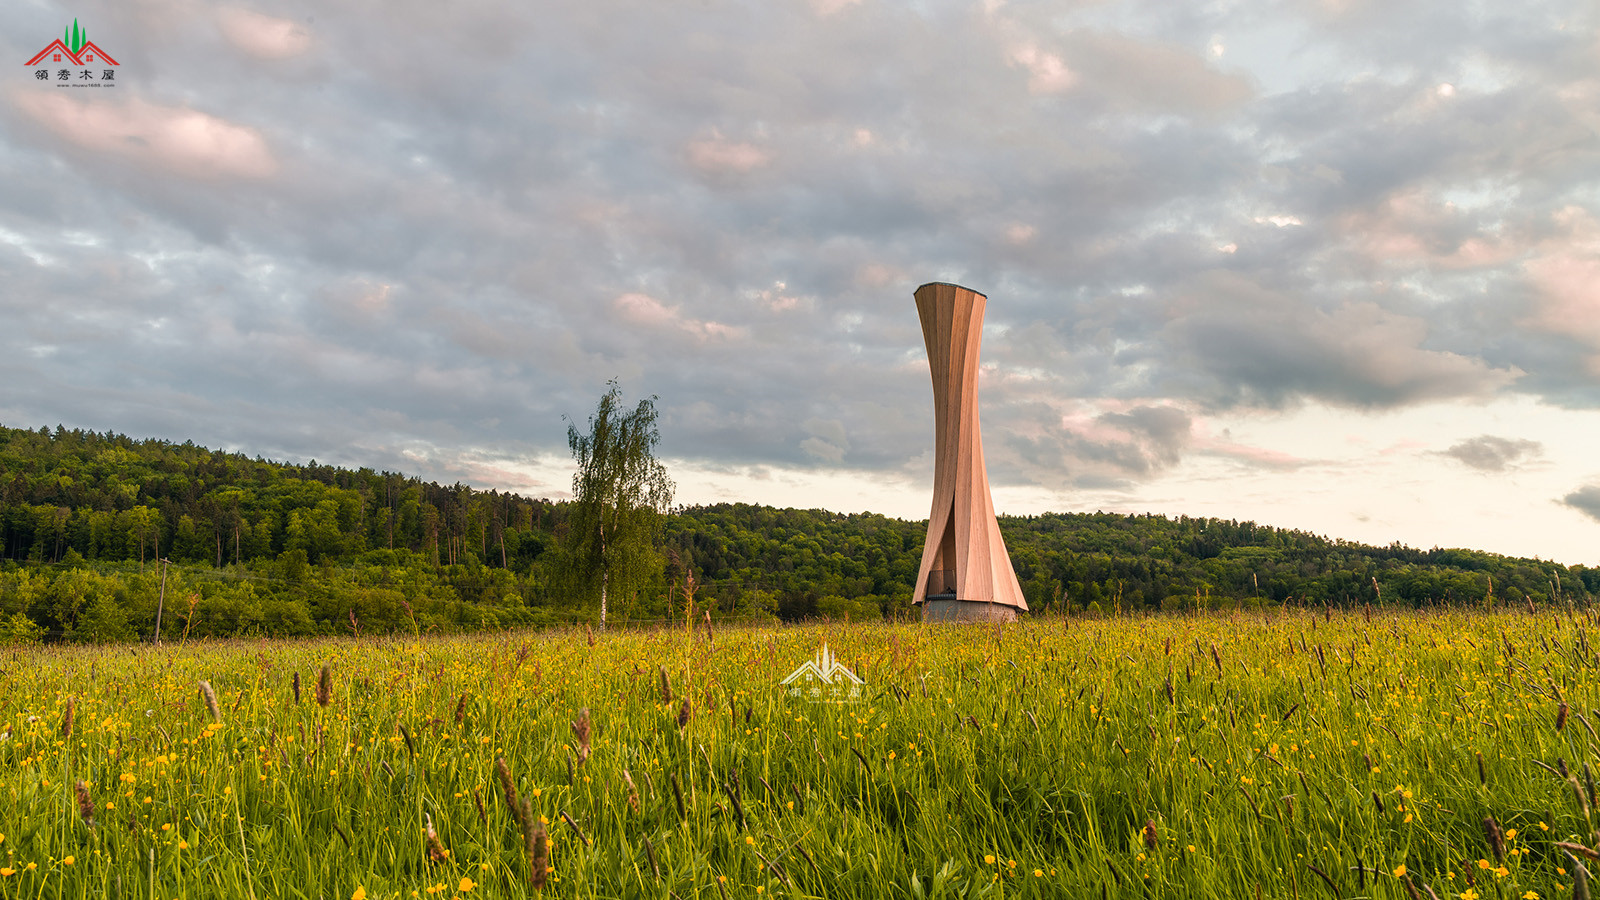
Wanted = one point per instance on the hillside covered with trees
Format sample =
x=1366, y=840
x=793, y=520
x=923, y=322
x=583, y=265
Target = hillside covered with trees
x=264, y=548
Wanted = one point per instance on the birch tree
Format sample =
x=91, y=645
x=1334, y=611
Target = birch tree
x=620, y=494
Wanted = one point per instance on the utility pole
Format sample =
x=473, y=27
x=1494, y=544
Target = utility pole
x=161, y=601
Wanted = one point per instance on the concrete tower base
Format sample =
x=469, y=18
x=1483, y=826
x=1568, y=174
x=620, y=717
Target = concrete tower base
x=966, y=611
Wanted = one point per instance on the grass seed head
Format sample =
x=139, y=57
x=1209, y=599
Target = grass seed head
x=1580, y=877
x=581, y=730
x=538, y=842
x=508, y=790
x=683, y=714
x=1561, y=717
x=1496, y=838
x=633, y=790
x=210, y=696
x=296, y=682
x=67, y=717
x=85, y=803
x=324, y=685
x=1151, y=839
x=436, y=851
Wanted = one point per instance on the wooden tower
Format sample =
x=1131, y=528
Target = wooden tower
x=966, y=575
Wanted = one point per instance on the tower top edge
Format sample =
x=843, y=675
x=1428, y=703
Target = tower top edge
x=950, y=284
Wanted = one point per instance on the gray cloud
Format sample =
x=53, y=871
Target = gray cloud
x=373, y=234
x=1489, y=453
x=827, y=441
x=1585, y=500
x=1108, y=450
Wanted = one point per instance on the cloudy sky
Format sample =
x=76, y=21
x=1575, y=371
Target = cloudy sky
x=1324, y=264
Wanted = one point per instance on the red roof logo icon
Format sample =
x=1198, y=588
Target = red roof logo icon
x=74, y=44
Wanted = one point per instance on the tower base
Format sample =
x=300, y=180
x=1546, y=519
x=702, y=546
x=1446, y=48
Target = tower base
x=965, y=611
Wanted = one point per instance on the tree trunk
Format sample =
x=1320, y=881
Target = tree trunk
x=605, y=575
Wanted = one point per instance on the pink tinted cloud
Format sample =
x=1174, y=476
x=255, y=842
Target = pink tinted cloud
x=1405, y=446
x=1047, y=72
x=181, y=140
x=1206, y=442
x=778, y=299
x=1565, y=274
x=829, y=7
x=1259, y=457
x=1409, y=227
x=647, y=311
x=718, y=155
x=644, y=309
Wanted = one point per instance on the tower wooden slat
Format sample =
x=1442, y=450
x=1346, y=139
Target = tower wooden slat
x=964, y=552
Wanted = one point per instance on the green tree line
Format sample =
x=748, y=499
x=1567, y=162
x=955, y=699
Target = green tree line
x=264, y=548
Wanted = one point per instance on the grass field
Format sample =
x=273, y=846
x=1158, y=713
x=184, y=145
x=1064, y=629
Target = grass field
x=1275, y=755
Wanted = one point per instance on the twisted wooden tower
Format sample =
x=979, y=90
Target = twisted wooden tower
x=966, y=575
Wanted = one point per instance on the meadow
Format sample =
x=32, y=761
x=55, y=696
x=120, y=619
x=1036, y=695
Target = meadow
x=1278, y=754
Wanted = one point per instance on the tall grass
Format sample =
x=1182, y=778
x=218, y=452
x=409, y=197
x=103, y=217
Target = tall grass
x=1280, y=755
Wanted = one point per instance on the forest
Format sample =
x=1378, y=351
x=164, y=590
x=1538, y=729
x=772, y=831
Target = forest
x=101, y=534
